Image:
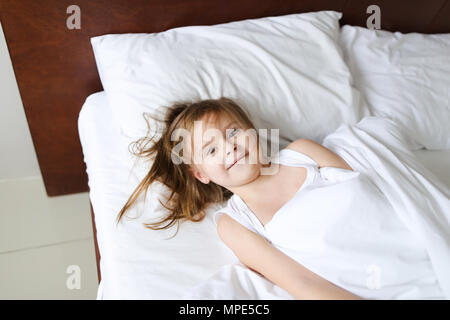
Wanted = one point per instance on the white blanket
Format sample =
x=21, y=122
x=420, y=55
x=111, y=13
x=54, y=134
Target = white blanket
x=378, y=148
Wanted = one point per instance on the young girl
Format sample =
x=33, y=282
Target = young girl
x=222, y=160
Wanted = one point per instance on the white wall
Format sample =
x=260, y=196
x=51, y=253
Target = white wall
x=17, y=156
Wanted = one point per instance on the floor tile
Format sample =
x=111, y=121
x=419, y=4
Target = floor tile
x=42, y=273
x=28, y=218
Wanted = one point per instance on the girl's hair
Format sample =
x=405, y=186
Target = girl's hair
x=189, y=196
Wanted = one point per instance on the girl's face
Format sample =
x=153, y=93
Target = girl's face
x=224, y=152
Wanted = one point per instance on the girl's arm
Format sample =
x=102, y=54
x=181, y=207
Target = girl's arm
x=320, y=154
x=258, y=254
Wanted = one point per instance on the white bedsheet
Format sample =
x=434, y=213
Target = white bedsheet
x=137, y=263
x=380, y=149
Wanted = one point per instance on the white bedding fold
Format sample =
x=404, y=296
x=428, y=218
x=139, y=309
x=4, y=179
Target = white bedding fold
x=379, y=148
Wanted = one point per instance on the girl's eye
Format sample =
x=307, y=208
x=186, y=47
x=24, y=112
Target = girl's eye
x=234, y=132
x=211, y=150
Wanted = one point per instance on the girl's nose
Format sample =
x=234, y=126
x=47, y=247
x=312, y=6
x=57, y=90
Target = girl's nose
x=231, y=149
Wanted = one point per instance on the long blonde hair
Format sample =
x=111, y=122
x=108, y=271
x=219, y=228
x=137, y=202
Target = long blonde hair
x=189, y=196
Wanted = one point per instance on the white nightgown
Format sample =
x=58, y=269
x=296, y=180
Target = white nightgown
x=342, y=227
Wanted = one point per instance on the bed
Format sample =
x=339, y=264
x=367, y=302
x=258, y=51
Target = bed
x=127, y=276
x=101, y=162
x=209, y=270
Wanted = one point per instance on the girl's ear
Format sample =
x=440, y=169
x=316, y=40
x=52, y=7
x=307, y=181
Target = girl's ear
x=198, y=175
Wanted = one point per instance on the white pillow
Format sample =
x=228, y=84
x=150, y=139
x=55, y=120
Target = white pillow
x=286, y=71
x=405, y=77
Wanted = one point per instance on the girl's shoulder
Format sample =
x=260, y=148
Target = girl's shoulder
x=291, y=156
x=315, y=154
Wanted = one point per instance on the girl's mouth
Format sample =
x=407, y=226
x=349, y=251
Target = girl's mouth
x=237, y=161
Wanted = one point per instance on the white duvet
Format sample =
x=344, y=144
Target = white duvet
x=378, y=148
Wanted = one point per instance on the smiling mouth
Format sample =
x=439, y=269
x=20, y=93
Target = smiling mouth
x=237, y=161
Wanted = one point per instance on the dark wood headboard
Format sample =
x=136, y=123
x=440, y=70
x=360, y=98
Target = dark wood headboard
x=55, y=67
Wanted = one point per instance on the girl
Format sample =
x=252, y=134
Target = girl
x=216, y=163
x=212, y=181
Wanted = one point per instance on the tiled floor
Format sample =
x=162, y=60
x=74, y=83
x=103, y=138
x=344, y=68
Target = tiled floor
x=41, y=239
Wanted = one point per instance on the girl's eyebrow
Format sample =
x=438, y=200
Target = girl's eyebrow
x=232, y=122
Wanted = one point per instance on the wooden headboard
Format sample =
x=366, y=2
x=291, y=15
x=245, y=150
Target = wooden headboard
x=56, y=71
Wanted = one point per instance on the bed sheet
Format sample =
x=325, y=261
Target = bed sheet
x=138, y=263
